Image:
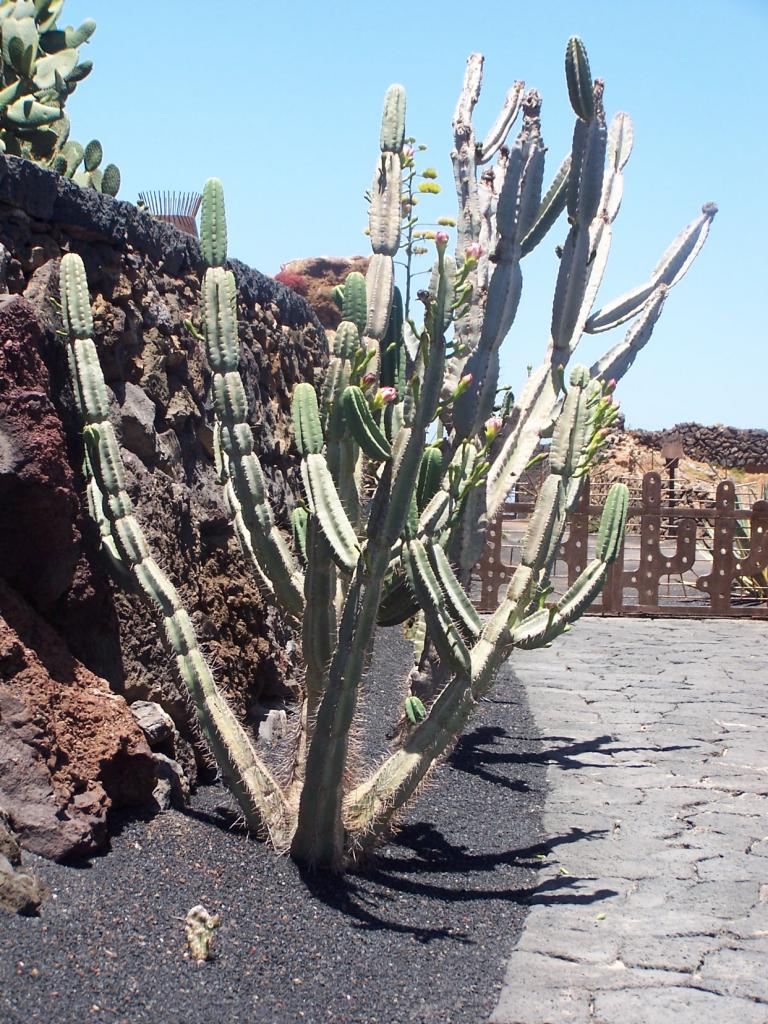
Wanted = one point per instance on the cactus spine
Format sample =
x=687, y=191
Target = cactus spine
x=406, y=452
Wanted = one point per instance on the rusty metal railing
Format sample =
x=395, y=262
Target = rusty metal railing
x=709, y=559
x=176, y=208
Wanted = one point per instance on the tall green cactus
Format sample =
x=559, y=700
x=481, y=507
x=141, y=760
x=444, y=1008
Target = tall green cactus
x=39, y=71
x=403, y=460
x=257, y=792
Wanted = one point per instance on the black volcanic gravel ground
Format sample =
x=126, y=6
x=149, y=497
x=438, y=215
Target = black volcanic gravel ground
x=420, y=936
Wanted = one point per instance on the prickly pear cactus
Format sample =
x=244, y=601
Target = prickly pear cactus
x=407, y=450
x=40, y=68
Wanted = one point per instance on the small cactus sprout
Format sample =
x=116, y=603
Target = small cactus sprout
x=200, y=927
x=407, y=451
x=415, y=711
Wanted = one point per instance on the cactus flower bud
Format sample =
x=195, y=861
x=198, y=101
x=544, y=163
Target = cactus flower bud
x=441, y=239
x=463, y=384
x=611, y=385
x=492, y=427
x=368, y=379
x=384, y=396
x=473, y=251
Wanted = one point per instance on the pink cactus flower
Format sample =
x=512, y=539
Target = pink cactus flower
x=368, y=379
x=492, y=426
x=388, y=394
x=441, y=239
x=473, y=251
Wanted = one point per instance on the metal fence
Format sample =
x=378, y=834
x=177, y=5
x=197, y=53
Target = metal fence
x=176, y=208
x=685, y=553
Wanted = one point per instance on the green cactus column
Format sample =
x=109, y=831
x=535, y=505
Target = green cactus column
x=258, y=793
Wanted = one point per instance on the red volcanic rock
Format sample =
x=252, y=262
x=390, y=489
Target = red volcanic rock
x=315, y=279
x=38, y=505
x=69, y=747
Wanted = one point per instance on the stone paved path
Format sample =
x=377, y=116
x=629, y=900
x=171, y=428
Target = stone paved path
x=654, y=908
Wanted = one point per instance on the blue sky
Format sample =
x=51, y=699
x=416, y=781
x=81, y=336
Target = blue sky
x=282, y=102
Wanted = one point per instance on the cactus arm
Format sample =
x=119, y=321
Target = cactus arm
x=392, y=134
x=443, y=631
x=235, y=510
x=385, y=217
x=615, y=363
x=620, y=310
x=464, y=154
x=532, y=410
x=342, y=451
x=213, y=224
x=672, y=266
x=546, y=625
x=550, y=208
x=355, y=304
x=80, y=327
x=430, y=476
x=577, y=266
x=385, y=212
x=497, y=135
x=585, y=263
x=677, y=259
x=258, y=793
x=459, y=605
x=319, y=838
x=579, y=79
x=379, y=284
x=397, y=603
x=392, y=362
x=299, y=528
x=231, y=409
x=362, y=425
x=326, y=505
x=308, y=432
x=518, y=197
x=319, y=637
x=370, y=806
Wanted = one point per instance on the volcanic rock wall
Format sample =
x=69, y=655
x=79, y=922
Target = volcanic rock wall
x=728, y=447
x=144, y=279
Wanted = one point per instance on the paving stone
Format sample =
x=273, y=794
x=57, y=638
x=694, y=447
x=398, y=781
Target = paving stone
x=680, y=953
x=736, y=972
x=682, y=1005
x=659, y=755
x=527, y=1005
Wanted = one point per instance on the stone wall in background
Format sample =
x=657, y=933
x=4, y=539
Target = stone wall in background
x=144, y=282
x=728, y=447
x=316, y=277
